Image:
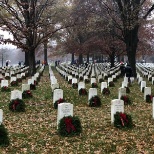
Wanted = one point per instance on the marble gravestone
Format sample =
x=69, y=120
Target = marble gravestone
x=64, y=110
x=117, y=105
x=16, y=94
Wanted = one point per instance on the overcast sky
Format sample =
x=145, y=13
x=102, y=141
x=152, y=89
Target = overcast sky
x=6, y=36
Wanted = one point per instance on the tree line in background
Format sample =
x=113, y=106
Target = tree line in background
x=81, y=27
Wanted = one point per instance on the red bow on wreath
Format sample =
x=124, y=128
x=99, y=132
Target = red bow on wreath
x=15, y=105
x=123, y=118
x=125, y=99
x=69, y=125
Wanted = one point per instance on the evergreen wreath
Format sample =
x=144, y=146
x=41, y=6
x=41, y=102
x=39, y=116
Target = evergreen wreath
x=114, y=80
x=70, y=81
x=7, y=78
x=150, y=79
x=19, y=79
x=82, y=91
x=95, y=101
x=94, y=85
x=122, y=120
x=81, y=78
x=27, y=94
x=86, y=80
x=69, y=126
x=106, y=91
x=17, y=105
x=101, y=80
x=5, y=88
x=126, y=100
x=14, y=83
x=75, y=85
x=149, y=98
x=143, y=89
x=127, y=90
x=61, y=100
x=32, y=87
x=4, y=140
x=111, y=84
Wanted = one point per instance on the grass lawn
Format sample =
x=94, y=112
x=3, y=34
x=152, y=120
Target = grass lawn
x=35, y=131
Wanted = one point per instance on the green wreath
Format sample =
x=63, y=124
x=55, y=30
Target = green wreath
x=101, y=80
x=82, y=91
x=94, y=85
x=4, y=140
x=127, y=90
x=75, y=85
x=95, y=101
x=17, y=105
x=106, y=91
x=61, y=100
x=26, y=94
x=14, y=83
x=149, y=98
x=122, y=120
x=111, y=84
x=126, y=100
x=5, y=88
x=69, y=126
x=143, y=89
x=32, y=87
x=86, y=80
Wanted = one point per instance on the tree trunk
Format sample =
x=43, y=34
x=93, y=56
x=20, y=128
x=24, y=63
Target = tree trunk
x=112, y=56
x=80, y=59
x=26, y=58
x=93, y=58
x=102, y=58
x=87, y=57
x=45, y=54
x=131, y=40
x=72, y=60
x=32, y=68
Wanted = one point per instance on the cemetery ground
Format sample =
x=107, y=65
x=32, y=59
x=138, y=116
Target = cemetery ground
x=35, y=131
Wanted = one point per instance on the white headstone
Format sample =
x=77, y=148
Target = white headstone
x=7, y=74
x=30, y=81
x=81, y=85
x=93, y=80
x=13, y=79
x=140, y=79
x=16, y=94
x=109, y=80
x=1, y=116
x=122, y=92
x=18, y=76
x=25, y=87
x=143, y=84
x=57, y=94
x=64, y=110
x=117, y=105
x=125, y=79
x=103, y=85
x=147, y=91
x=153, y=108
x=124, y=84
x=92, y=92
x=22, y=74
x=54, y=81
x=85, y=77
x=1, y=76
x=4, y=83
x=69, y=77
x=54, y=86
x=74, y=80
